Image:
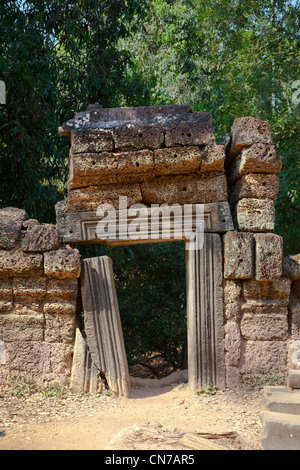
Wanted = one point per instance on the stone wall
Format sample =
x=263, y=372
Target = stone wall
x=256, y=290
x=170, y=159
x=154, y=155
x=38, y=294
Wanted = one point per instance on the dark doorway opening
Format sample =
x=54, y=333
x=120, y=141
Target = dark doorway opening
x=151, y=288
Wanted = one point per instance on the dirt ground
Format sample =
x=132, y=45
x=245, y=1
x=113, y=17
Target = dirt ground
x=171, y=417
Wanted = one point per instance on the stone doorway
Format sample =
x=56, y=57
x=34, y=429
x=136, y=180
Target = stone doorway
x=205, y=329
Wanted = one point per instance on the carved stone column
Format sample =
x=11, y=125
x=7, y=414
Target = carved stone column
x=205, y=314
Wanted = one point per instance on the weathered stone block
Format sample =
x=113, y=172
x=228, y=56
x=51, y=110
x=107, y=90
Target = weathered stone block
x=262, y=357
x=41, y=238
x=184, y=189
x=62, y=264
x=273, y=310
x=291, y=267
x=269, y=292
x=280, y=400
x=21, y=328
x=28, y=306
x=176, y=160
x=295, y=322
x=257, y=186
x=189, y=133
x=17, y=263
x=91, y=141
x=213, y=159
x=238, y=255
x=94, y=169
x=43, y=362
x=6, y=292
x=268, y=252
x=280, y=431
x=11, y=220
x=88, y=199
x=59, y=329
x=295, y=289
x=294, y=353
x=62, y=289
x=264, y=327
x=259, y=158
x=26, y=288
x=138, y=136
x=294, y=379
x=232, y=299
x=6, y=306
x=254, y=215
x=60, y=307
x=246, y=131
x=232, y=377
x=232, y=343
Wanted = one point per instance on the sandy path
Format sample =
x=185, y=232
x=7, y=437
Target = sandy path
x=90, y=423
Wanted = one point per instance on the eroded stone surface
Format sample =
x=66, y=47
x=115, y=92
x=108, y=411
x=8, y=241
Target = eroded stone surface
x=253, y=185
x=11, y=220
x=254, y=215
x=291, y=267
x=62, y=264
x=268, y=251
x=41, y=238
x=183, y=189
x=18, y=263
x=238, y=255
x=246, y=131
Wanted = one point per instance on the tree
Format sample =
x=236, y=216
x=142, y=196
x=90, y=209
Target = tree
x=56, y=57
x=232, y=58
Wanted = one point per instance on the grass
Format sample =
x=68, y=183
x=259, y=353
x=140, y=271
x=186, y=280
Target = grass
x=207, y=390
x=23, y=389
x=257, y=382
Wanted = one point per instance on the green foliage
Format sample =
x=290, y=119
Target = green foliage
x=150, y=283
x=232, y=58
x=258, y=381
x=56, y=58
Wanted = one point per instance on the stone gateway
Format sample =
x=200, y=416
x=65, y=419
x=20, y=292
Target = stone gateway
x=243, y=297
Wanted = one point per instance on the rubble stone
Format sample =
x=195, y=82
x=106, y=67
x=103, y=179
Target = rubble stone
x=254, y=215
x=189, y=133
x=246, y=131
x=17, y=263
x=291, y=267
x=253, y=185
x=62, y=264
x=88, y=199
x=184, y=189
x=268, y=251
x=176, y=160
x=41, y=238
x=238, y=255
x=138, y=137
x=213, y=159
x=93, y=169
x=11, y=220
x=91, y=141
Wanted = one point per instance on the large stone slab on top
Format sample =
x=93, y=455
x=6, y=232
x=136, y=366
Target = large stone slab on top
x=96, y=117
